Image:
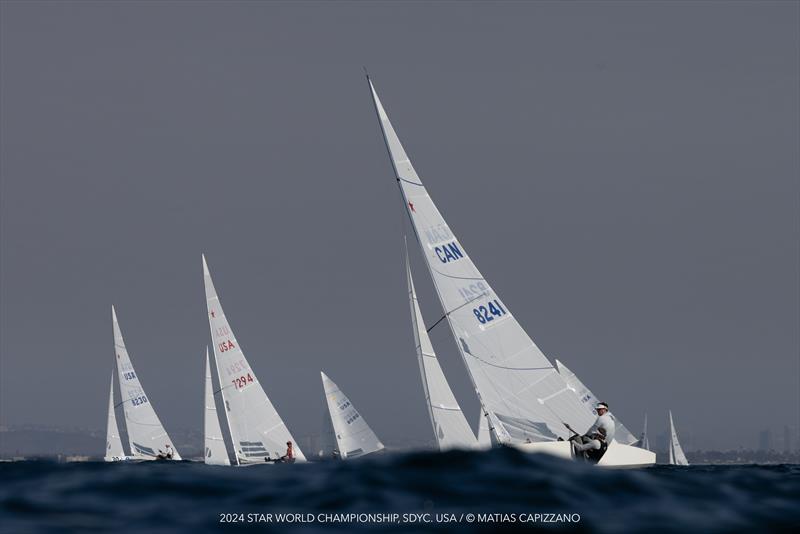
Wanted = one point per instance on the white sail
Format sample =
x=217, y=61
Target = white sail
x=114, y=450
x=146, y=434
x=676, y=455
x=484, y=439
x=644, y=441
x=353, y=435
x=622, y=435
x=449, y=424
x=256, y=428
x=512, y=377
x=215, y=451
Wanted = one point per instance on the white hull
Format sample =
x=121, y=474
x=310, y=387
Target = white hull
x=120, y=458
x=617, y=455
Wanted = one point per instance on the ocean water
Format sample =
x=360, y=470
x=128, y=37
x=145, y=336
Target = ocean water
x=499, y=490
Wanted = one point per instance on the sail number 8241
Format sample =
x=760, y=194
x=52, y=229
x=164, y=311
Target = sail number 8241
x=485, y=314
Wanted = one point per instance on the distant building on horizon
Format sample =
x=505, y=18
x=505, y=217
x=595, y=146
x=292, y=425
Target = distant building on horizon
x=765, y=440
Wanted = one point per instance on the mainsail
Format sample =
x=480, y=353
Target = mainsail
x=114, y=450
x=146, y=434
x=256, y=428
x=449, y=424
x=353, y=436
x=676, y=455
x=513, y=379
x=215, y=451
x=623, y=435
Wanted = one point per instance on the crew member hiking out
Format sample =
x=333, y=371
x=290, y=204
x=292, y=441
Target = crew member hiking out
x=289, y=456
x=592, y=445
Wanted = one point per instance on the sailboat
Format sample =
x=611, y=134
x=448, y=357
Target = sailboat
x=257, y=431
x=215, y=451
x=623, y=435
x=644, y=441
x=146, y=434
x=449, y=424
x=354, y=437
x=676, y=455
x=528, y=403
x=114, y=450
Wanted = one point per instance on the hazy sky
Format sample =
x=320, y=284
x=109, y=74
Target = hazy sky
x=625, y=175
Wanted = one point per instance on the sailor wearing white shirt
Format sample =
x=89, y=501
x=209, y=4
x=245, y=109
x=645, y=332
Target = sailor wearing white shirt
x=597, y=438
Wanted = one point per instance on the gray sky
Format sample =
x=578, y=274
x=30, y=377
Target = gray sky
x=625, y=175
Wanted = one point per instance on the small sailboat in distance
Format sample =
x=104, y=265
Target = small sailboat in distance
x=354, y=437
x=676, y=455
x=146, y=434
x=257, y=430
x=644, y=441
x=114, y=449
x=215, y=451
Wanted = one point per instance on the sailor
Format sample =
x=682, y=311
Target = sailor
x=594, y=443
x=289, y=456
x=165, y=455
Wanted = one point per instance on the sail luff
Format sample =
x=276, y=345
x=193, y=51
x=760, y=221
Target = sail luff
x=114, y=449
x=215, y=451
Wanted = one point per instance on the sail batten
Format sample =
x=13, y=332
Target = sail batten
x=256, y=428
x=502, y=360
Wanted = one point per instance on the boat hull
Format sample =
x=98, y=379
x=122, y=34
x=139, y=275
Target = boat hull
x=617, y=455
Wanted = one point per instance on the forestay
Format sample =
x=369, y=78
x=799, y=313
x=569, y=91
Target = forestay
x=449, y=424
x=256, y=428
x=114, y=450
x=146, y=434
x=589, y=400
x=215, y=451
x=512, y=377
x=676, y=455
x=353, y=436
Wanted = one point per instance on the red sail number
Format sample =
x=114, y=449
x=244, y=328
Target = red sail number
x=242, y=381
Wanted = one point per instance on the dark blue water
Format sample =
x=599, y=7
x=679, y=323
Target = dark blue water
x=444, y=489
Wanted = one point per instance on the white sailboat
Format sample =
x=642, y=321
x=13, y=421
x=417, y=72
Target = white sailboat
x=114, y=450
x=257, y=431
x=449, y=424
x=354, y=437
x=644, y=441
x=146, y=434
x=623, y=435
x=676, y=455
x=215, y=451
x=526, y=398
